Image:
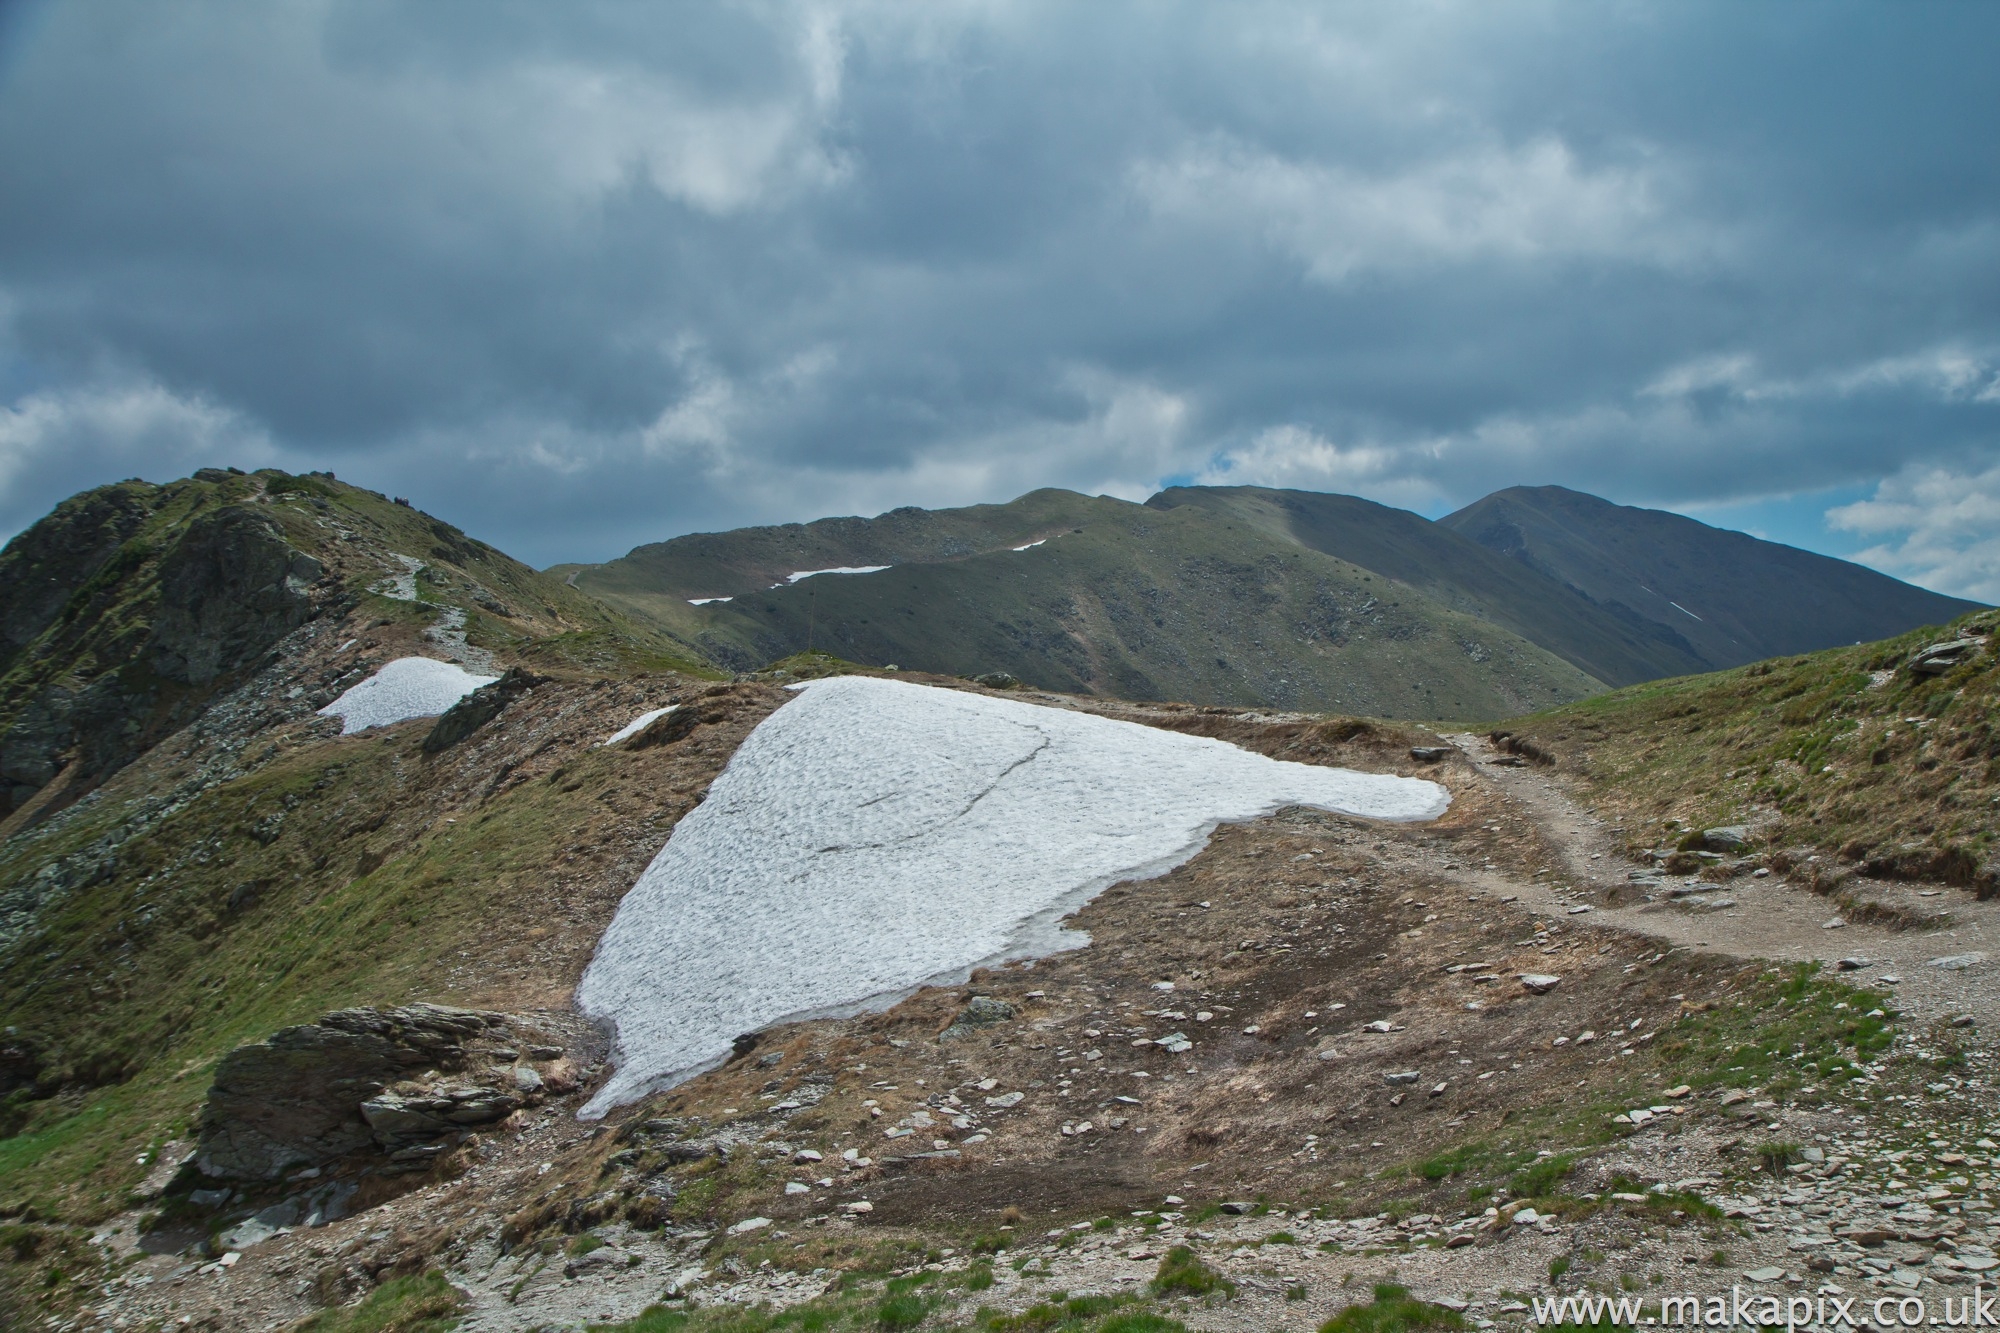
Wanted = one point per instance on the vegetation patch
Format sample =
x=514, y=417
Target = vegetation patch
x=1393, y=1310
x=421, y=1303
x=1182, y=1273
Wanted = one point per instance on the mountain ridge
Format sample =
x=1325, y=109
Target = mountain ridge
x=1566, y=593
x=1735, y=598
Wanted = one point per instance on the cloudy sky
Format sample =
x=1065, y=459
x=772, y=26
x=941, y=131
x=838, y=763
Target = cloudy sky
x=578, y=276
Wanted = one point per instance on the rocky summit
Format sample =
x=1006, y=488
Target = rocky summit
x=1655, y=962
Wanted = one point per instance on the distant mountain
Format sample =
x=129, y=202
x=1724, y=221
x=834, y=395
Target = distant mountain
x=1730, y=597
x=1455, y=572
x=1246, y=595
x=1092, y=595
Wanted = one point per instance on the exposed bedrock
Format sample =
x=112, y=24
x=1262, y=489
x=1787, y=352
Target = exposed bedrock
x=391, y=1081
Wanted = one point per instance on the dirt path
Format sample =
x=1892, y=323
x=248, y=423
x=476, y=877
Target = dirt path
x=1770, y=917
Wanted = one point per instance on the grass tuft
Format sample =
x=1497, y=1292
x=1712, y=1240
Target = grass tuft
x=1393, y=1310
x=1182, y=1273
x=422, y=1303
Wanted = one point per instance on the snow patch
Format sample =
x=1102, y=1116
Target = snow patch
x=1029, y=547
x=637, y=725
x=872, y=835
x=844, y=569
x=405, y=688
x=704, y=601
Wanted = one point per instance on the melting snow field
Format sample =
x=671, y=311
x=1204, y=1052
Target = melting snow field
x=872, y=835
x=405, y=688
x=637, y=725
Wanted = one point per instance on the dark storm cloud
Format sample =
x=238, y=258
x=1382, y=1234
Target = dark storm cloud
x=580, y=276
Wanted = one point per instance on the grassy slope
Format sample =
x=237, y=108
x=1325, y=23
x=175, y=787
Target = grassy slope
x=1454, y=571
x=1744, y=599
x=1136, y=603
x=207, y=936
x=1822, y=751
x=551, y=623
x=715, y=564
x=103, y=627
x=204, y=930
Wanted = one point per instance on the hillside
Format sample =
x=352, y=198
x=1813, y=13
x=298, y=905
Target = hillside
x=132, y=607
x=1455, y=572
x=1730, y=597
x=1881, y=759
x=1133, y=603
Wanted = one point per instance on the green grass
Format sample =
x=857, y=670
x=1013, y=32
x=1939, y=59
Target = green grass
x=1897, y=777
x=1122, y=600
x=423, y=1303
x=133, y=987
x=1393, y=1310
x=1182, y=1273
x=1775, y=1028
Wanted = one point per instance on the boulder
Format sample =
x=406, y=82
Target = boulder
x=1730, y=838
x=998, y=680
x=1938, y=658
x=981, y=1011
x=1429, y=754
x=319, y=1091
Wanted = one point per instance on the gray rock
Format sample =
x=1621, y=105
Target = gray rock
x=1852, y=964
x=478, y=708
x=1238, y=1207
x=997, y=680
x=981, y=1011
x=1957, y=962
x=396, y=1120
x=296, y=1098
x=527, y=1079
x=1938, y=658
x=1429, y=754
x=1406, y=1076
x=1731, y=838
x=1541, y=983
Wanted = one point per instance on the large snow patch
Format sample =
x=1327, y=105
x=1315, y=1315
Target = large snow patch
x=872, y=835
x=405, y=688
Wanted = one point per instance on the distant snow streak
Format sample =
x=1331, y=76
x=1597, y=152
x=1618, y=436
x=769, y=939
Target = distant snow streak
x=405, y=688
x=844, y=569
x=872, y=835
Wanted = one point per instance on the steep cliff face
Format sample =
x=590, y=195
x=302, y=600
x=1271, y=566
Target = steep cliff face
x=126, y=610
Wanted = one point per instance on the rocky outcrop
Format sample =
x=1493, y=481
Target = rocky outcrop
x=124, y=612
x=43, y=569
x=478, y=708
x=1938, y=658
x=357, y=1081
x=229, y=589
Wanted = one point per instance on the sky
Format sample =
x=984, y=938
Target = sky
x=582, y=276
